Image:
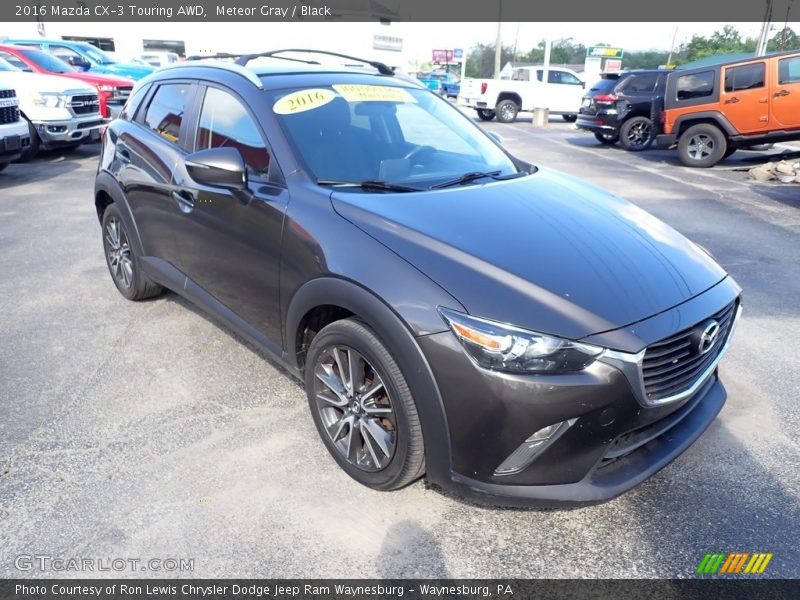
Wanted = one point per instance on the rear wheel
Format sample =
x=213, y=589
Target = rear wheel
x=506, y=111
x=636, y=134
x=570, y=118
x=123, y=264
x=362, y=407
x=702, y=145
x=485, y=114
x=609, y=139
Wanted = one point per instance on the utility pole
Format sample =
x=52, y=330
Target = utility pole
x=498, y=44
x=763, y=39
x=672, y=49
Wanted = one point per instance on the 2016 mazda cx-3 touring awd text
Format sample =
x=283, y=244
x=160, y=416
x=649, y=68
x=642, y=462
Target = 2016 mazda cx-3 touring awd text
x=504, y=329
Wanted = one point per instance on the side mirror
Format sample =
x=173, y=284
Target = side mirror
x=583, y=84
x=218, y=167
x=496, y=137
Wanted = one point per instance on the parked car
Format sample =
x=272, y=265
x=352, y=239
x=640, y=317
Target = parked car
x=710, y=112
x=445, y=84
x=85, y=57
x=618, y=108
x=560, y=94
x=159, y=59
x=58, y=112
x=112, y=91
x=396, y=259
x=14, y=136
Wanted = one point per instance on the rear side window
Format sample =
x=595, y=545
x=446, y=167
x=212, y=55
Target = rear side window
x=166, y=110
x=746, y=77
x=225, y=123
x=644, y=83
x=562, y=77
x=696, y=85
x=789, y=70
x=604, y=85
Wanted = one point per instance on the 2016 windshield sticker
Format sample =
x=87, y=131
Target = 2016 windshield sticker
x=304, y=100
x=373, y=93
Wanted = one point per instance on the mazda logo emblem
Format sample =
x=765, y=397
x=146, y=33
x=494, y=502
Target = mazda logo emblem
x=708, y=337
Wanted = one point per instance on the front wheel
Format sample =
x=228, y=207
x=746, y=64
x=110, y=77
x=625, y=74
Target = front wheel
x=506, y=111
x=570, y=118
x=362, y=407
x=636, y=134
x=485, y=115
x=608, y=139
x=702, y=145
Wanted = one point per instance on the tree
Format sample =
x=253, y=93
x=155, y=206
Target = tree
x=785, y=39
x=727, y=41
x=480, y=62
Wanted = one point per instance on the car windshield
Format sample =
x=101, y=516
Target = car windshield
x=96, y=54
x=7, y=66
x=399, y=135
x=48, y=62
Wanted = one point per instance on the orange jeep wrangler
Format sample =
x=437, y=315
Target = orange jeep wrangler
x=709, y=112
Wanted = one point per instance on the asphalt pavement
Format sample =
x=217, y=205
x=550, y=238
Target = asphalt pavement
x=148, y=431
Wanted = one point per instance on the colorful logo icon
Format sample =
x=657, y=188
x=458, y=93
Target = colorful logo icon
x=734, y=563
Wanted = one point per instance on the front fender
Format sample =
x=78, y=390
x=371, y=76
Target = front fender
x=397, y=337
x=105, y=183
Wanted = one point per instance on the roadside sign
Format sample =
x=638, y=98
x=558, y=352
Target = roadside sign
x=458, y=53
x=613, y=65
x=604, y=52
x=442, y=56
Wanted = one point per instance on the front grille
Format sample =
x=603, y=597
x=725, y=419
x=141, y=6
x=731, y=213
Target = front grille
x=84, y=104
x=9, y=114
x=8, y=93
x=673, y=365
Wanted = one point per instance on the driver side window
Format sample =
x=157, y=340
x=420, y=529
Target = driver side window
x=65, y=54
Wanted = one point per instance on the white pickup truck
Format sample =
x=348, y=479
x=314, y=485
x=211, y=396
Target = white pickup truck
x=58, y=112
x=525, y=91
x=13, y=130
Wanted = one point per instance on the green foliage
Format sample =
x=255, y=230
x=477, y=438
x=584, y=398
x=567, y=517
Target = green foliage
x=480, y=61
x=785, y=39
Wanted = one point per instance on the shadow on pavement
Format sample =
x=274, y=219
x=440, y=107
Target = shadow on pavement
x=409, y=550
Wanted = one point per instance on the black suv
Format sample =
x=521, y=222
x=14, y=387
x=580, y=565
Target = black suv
x=452, y=310
x=619, y=108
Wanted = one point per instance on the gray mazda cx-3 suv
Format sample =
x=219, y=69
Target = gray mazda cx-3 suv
x=506, y=330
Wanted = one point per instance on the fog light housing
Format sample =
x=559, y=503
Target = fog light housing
x=531, y=447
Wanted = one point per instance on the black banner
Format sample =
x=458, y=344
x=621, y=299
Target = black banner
x=396, y=10
x=419, y=589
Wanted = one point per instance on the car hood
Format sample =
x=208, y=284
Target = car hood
x=98, y=79
x=29, y=83
x=130, y=70
x=545, y=252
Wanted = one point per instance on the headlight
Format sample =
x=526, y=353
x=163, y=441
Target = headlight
x=503, y=347
x=50, y=100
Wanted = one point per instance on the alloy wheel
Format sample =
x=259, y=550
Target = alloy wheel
x=118, y=253
x=639, y=134
x=355, y=408
x=700, y=146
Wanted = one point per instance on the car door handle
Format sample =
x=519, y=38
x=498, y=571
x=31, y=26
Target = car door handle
x=781, y=93
x=733, y=100
x=184, y=199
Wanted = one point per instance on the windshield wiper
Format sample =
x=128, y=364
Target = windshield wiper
x=371, y=184
x=474, y=175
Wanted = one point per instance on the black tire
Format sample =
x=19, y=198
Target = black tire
x=3, y=166
x=636, y=134
x=122, y=262
x=345, y=425
x=570, y=118
x=506, y=111
x=608, y=139
x=485, y=114
x=32, y=149
x=702, y=145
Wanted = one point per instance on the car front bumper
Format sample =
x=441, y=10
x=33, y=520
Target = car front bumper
x=14, y=139
x=611, y=443
x=55, y=133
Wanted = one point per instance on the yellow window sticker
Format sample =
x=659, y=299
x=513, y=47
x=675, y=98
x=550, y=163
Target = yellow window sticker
x=304, y=100
x=373, y=93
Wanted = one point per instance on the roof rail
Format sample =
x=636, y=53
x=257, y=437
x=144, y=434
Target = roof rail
x=215, y=62
x=243, y=59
